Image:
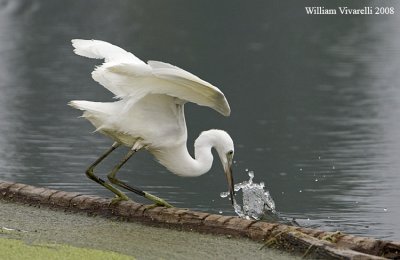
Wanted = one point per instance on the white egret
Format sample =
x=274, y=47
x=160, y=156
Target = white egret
x=149, y=115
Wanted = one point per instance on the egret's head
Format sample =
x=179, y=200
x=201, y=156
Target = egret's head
x=223, y=143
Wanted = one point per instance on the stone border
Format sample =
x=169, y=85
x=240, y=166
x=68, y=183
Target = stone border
x=309, y=242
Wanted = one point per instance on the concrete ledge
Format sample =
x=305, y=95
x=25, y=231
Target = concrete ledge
x=309, y=242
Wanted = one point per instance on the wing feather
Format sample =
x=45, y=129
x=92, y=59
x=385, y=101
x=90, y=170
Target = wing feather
x=96, y=49
x=169, y=81
x=128, y=77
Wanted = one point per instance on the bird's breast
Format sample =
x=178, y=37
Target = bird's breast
x=156, y=119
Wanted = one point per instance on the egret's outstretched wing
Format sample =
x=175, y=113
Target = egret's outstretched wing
x=191, y=87
x=133, y=80
x=127, y=80
x=96, y=49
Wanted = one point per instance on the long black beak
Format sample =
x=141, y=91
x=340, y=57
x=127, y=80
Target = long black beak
x=229, y=178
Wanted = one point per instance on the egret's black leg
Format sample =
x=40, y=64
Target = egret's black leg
x=90, y=174
x=112, y=178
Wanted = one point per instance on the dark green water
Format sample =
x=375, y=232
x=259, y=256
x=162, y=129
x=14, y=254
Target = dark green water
x=315, y=101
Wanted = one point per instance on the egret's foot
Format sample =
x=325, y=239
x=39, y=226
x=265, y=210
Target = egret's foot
x=118, y=198
x=158, y=202
x=333, y=238
x=152, y=206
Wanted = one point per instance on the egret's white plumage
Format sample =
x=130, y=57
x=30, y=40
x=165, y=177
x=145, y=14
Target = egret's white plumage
x=149, y=111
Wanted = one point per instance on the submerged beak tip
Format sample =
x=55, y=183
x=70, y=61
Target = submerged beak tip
x=229, y=177
x=232, y=198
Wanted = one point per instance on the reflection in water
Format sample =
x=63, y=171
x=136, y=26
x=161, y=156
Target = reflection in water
x=9, y=100
x=315, y=102
x=370, y=119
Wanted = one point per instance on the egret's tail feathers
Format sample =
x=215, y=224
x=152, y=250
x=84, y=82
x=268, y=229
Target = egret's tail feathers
x=96, y=49
x=97, y=113
x=75, y=104
x=93, y=107
x=81, y=104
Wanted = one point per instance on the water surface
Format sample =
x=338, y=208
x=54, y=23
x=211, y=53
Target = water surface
x=315, y=102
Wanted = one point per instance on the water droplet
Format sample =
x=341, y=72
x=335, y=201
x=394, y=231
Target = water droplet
x=220, y=212
x=333, y=167
x=234, y=162
x=385, y=209
x=300, y=191
x=283, y=192
x=319, y=157
x=251, y=174
x=246, y=170
x=301, y=169
x=224, y=194
x=316, y=180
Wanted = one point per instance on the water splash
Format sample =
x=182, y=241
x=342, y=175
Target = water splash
x=257, y=202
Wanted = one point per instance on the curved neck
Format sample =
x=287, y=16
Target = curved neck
x=179, y=161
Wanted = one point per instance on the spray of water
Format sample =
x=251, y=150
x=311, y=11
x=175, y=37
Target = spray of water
x=257, y=202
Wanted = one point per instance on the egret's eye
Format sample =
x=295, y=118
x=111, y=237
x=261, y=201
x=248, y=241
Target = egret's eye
x=230, y=153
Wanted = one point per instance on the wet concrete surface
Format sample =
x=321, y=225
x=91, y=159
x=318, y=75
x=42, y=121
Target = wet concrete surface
x=44, y=225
